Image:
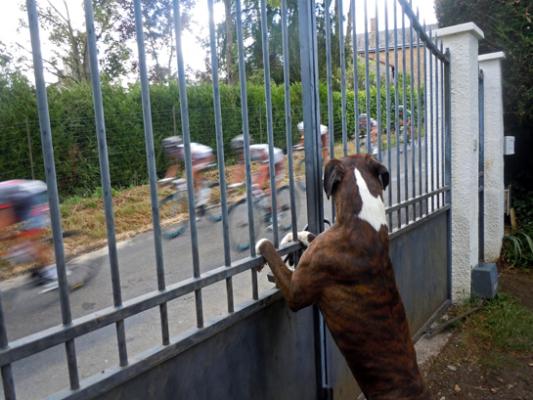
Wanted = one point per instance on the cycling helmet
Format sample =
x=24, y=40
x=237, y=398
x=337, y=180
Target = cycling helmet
x=172, y=142
x=237, y=143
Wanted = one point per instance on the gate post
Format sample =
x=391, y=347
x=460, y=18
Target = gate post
x=493, y=165
x=462, y=41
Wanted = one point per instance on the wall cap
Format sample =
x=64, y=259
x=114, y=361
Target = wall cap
x=498, y=55
x=468, y=27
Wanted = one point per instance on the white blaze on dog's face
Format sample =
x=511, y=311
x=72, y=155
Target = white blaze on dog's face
x=373, y=208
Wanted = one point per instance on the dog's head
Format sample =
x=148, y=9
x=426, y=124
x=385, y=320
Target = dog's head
x=356, y=184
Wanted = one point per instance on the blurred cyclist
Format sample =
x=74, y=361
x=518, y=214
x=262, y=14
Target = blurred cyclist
x=202, y=157
x=258, y=153
x=24, y=212
x=324, y=139
x=362, y=122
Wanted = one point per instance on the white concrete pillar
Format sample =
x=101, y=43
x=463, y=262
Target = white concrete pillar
x=462, y=40
x=494, y=137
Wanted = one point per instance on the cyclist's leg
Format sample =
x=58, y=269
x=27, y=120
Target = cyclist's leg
x=200, y=187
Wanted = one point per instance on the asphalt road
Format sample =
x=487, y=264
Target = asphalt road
x=27, y=313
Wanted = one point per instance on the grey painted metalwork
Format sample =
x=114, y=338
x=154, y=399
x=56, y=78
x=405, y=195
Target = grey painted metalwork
x=150, y=161
x=367, y=84
x=342, y=62
x=405, y=138
x=53, y=196
x=270, y=129
x=323, y=368
x=412, y=108
x=448, y=163
x=288, y=120
x=220, y=153
x=105, y=176
x=437, y=128
x=53, y=200
x=355, y=59
x=481, y=96
x=419, y=122
x=431, y=124
x=396, y=114
x=388, y=104
x=246, y=136
x=184, y=110
x=378, y=87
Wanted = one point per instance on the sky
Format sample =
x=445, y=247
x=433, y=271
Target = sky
x=11, y=33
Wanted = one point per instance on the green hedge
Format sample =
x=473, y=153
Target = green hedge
x=73, y=128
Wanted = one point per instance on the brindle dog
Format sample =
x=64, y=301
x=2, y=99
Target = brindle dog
x=347, y=272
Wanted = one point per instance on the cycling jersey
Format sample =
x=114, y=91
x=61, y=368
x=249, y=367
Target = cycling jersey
x=29, y=202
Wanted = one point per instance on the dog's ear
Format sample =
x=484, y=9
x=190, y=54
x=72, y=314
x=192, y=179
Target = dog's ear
x=333, y=174
x=381, y=172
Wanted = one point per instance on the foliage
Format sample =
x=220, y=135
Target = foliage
x=73, y=129
x=518, y=246
x=507, y=27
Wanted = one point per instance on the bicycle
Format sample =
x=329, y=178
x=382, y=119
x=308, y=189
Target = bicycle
x=262, y=216
x=80, y=270
x=174, y=209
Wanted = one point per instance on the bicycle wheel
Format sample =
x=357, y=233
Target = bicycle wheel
x=283, y=199
x=239, y=226
x=173, y=214
x=299, y=173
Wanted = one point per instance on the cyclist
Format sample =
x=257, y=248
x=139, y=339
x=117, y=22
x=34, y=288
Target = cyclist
x=362, y=122
x=258, y=153
x=324, y=139
x=408, y=120
x=202, y=156
x=24, y=209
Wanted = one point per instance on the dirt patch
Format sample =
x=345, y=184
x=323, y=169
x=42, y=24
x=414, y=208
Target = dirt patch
x=490, y=355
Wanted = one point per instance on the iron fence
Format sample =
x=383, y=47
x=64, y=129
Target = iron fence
x=410, y=135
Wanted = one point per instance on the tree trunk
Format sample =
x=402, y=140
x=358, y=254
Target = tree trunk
x=348, y=37
x=230, y=76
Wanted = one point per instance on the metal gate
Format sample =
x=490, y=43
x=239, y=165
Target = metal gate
x=256, y=348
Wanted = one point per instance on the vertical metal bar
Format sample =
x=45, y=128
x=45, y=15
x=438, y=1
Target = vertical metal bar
x=378, y=85
x=443, y=125
x=53, y=196
x=270, y=132
x=342, y=62
x=431, y=139
x=7, y=372
x=426, y=130
x=184, y=109
x=246, y=135
x=437, y=130
x=150, y=162
x=220, y=154
x=367, y=84
x=404, y=120
x=396, y=114
x=448, y=166
x=105, y=177
x=412, y=108
x=311, y=111
x=387, y=100
x=329, y=75
x=288, y=120
x=419, y=118
x=355, y=58
x=481, y=106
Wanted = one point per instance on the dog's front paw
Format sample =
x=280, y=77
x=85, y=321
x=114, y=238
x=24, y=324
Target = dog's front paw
x=305, y=237
x=258, y=246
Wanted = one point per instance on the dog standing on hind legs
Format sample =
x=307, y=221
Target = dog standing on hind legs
x=347, y=272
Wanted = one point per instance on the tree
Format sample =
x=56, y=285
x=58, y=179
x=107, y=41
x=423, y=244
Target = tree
x=69, y=62
x=507, y=27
